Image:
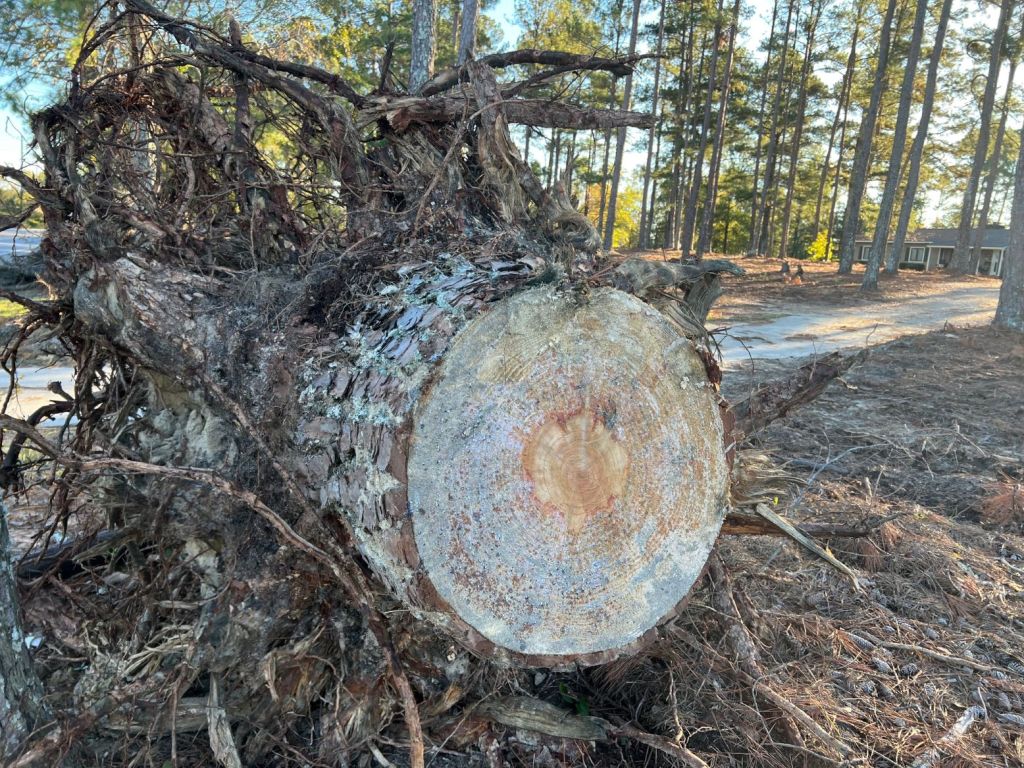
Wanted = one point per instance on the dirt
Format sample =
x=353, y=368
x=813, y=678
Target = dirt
x=935, y=419
x=924, y=441
x=761, y=316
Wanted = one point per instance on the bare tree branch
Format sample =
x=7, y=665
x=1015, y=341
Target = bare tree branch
x=564, y=62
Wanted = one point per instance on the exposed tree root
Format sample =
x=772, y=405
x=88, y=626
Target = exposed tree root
x=253, y=268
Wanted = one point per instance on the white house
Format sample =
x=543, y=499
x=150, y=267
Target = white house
x=933, y=248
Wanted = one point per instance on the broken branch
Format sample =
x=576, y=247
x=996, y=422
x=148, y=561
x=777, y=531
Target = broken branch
x=566, y=62
x=775, y=399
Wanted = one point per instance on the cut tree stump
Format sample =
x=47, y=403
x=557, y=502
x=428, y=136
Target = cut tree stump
x=567, y=473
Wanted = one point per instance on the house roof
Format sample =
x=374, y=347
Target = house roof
x=944, y=237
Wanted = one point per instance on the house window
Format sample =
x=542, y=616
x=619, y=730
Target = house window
x=864, y=249
x=917, y=255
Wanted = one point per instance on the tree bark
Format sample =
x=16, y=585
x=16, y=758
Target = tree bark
x=653, y=202
x=833, y=202
x=424, y=44
x=682, y=137
x=921, y=137
x=766, y=69
x=467, y=38
x=22, y=707
x=760, y=220
x=1010, y=312
x=993, y=165
x=862, y=154
x=602, y=208
x=842, y=104
x=403, y=111
x=963, y=260
x=892, y=179
x=620, y=138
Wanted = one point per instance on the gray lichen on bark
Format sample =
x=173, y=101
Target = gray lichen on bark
x=22, y=708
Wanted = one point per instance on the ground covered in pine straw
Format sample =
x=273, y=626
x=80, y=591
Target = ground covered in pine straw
x=927, y=436
x=921, y=663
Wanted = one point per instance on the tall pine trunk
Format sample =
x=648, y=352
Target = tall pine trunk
x=645, y=221
x=708, y=214
x=1010, y=312
x=801, y=108
x=963, y=260
x=765, y=71
x=839, y=121
x=423, y=44
x=760, y=219
x=620, y=140
x=653, y=202
x=862, y=154
x=899, y=139
x=467, y=38
x=993, y=165
x=697, y=178
x=921, y=138
x=684, y=95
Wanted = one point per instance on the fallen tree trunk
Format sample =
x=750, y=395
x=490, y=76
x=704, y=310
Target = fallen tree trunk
x=567, y=445
x=367, y=410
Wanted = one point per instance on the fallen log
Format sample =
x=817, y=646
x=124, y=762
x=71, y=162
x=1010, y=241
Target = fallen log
x=382, y=411
x=746, y=524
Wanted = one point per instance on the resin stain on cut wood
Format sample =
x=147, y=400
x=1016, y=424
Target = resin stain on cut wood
x=577, y=467
x=567, y=473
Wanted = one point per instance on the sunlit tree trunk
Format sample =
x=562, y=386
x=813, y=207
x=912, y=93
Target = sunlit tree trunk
x=760, y=222
x=917, y=148
x=645, y=220
x=842, y=110
x=963, y=260
x=681, y=139
x=993, y=165
x=765, y=70
x=608, y=133
x=801, y=108
x=862, y=154
x=653, y=202
x=899, y=139
x=708, y=214
x=697, y=179
x=1010, y=312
